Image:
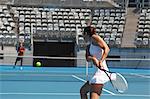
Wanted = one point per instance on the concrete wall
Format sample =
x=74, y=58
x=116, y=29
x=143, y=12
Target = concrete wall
x=63, y=3
x=128, y=53
x=119, y=53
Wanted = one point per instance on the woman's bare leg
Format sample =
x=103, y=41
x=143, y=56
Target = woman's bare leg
x=84, y=90
x=96, y=90
x=94, y=95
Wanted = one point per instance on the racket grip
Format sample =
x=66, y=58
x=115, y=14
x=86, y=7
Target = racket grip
x=103, y=69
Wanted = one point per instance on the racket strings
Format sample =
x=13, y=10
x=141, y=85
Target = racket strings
x=120, y=83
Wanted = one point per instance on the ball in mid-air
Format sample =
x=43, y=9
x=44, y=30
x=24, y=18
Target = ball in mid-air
x=38, y=64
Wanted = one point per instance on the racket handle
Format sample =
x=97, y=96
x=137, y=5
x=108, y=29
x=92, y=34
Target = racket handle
x=104, y=70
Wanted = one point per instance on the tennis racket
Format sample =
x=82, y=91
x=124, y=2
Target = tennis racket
x=117, y=80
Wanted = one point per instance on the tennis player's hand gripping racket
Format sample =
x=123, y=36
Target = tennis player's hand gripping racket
x=117, y=80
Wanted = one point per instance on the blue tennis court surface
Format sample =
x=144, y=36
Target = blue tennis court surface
x=65, y=83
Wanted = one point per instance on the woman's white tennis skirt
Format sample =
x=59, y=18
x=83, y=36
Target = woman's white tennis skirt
x=100, y=77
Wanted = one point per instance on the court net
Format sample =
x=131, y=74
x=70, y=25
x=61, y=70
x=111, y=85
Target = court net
x=60, y=69
x=79, y=61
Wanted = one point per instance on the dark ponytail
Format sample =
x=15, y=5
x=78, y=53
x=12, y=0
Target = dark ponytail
x=89, y=30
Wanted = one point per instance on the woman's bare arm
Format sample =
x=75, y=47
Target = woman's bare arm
x=103, y=45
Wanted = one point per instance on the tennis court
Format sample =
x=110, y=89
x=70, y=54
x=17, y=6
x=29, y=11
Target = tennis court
x=65, y=83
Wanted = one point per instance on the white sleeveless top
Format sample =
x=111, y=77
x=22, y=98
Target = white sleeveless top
x=98, y=76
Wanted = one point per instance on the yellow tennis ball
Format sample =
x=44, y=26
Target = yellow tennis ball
x=38, y=64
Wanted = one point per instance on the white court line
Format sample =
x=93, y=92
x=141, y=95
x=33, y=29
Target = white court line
x=139, y=75
x=33, y=75
x=85, y=81
x=60, y=94
x=72, y=94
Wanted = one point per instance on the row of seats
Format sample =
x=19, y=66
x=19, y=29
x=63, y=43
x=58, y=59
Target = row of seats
x=143, y=32
x=8, y=39
x=7, y=23
x=49, y=18
x=107, y=21
x=55, y=36
x=7, y=26
x=110, y=25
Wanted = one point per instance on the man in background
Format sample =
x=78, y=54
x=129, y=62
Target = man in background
x=20, y=51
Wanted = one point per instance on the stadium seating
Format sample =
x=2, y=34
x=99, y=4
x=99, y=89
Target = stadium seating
x=110, y=25
x=108, y=22
x=7, y=25
x=50, y=19
x=143, y=33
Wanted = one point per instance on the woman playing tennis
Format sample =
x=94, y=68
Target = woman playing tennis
x=97, y=51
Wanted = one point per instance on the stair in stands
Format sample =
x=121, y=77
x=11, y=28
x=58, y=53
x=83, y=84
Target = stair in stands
x=130, y=29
